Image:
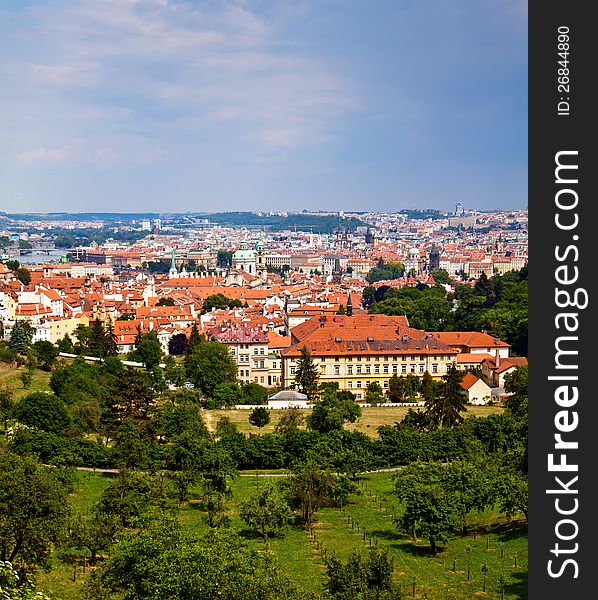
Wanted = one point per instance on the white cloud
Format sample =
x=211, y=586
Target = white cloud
x=43, y=154
x=170, y=62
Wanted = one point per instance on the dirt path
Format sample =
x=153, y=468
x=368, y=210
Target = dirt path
x=208, y=418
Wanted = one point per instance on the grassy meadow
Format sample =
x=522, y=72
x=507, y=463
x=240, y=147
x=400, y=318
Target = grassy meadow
x=371, y=418
x=366, y=520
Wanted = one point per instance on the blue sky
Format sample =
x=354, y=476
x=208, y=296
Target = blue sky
x=172, y=105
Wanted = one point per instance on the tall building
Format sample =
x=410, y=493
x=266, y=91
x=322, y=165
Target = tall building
x=434, y=259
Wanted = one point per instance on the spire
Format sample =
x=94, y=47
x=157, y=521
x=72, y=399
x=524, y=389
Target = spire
x=173, y=272
x=349, y=308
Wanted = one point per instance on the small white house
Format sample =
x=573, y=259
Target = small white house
x=288, y=399
x=476, y=390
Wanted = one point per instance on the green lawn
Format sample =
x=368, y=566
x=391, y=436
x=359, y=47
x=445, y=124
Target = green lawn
x=10, y=377
x=492, y=541
x=372, y=417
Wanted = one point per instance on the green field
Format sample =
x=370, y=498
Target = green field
x=493, y=541
x=371, y=418
x=10, y=377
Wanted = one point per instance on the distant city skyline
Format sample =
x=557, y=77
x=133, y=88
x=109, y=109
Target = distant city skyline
x=172, y=106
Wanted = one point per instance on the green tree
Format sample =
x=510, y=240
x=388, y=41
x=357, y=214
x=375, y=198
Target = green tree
x=149, y=350
x=291, y=418
x=21, y=335
x=129, y=496
x=441, y=276
x=307, y=374
x=428, y=508
x=360, y=578
x=374, y=395
x=210, y=364
x=516, y=384
x=96, y=533
x=471, y=487
x=396, y=389
x=259, y=417
x=130, y=448
x=311, y=487
x=97, y=340
x=220, y=302
x=7, y=404
x=428, y=390
x=266, y=512
x=224, y=426
x=332, y=411
x=254, y=393
x=23, y=275
x=446, y=407
x=368, y=297
x=194, y=339
x=33, y=510
x=110, y=343
x=83, y=334
x=65, y=344
x=13, y=587
x=164, y=560
x=227, y=394
x=165, y=302
x=44, y=411
x=46, y=353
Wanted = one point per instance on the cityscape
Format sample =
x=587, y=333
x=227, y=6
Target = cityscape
x=196, y=351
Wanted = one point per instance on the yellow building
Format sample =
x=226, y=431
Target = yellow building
x=355, y=351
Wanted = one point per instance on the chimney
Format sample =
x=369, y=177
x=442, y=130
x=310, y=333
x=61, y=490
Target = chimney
x=497, y=361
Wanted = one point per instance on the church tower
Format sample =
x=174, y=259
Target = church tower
x=173, y=272
x=260, y=261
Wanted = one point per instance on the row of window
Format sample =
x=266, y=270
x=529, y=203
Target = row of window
x=421, y=368
x=400, y=358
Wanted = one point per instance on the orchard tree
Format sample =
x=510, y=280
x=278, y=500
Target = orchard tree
x=291, y=418
x=33, y=510
x=96, y=534
x=428, y=507
x=266, y=512
x=165, y=560
x=360, y=578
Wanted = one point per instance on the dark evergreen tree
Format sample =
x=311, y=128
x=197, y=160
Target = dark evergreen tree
x=445, y=408
x=21, y=335
x=307, y=374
